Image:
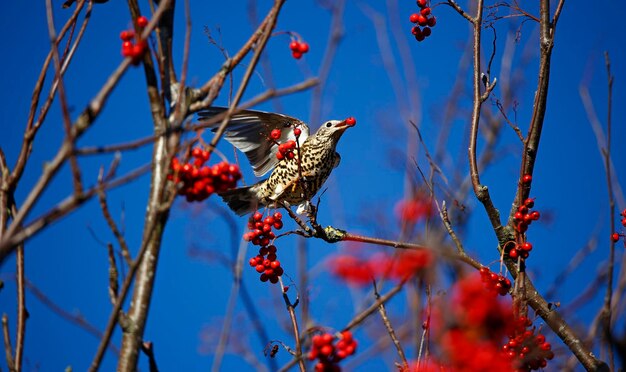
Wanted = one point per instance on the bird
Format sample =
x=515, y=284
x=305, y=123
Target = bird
x=299, y=162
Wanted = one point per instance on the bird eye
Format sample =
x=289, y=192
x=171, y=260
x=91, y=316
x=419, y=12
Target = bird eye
x=329, y=124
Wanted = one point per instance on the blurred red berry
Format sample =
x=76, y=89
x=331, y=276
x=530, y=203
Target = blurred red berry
x=142, y=21
x=127, y=35
x=303, y=47
x=275, y=134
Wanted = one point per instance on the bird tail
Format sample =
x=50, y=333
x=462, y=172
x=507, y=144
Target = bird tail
x=242, y=200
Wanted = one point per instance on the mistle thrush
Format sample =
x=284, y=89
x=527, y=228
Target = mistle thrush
x=292, y=180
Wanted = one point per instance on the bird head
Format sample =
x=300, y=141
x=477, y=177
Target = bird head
x=333, y=129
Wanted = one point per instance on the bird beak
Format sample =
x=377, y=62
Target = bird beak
x=342, y=124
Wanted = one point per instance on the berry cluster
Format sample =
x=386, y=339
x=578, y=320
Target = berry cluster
x=520, y=250
x=495, y=283
x=527, y=350
x=298, y=48
x=285, y=150
x=423, y=21
x=199, y=181
x=524, y=217
x=134, y=50
x=329, y=355
x=266, y=264
x=261, y=229
x=261, y=234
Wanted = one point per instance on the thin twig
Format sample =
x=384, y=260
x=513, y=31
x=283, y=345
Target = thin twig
x=31, y=130
x=390, y=330
x=74, y=318
x=8, y=350
x=606, y=154
x=294, y=325
x=109, y=219
x=67, y=121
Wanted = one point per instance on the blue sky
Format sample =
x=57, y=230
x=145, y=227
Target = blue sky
x=68, y=262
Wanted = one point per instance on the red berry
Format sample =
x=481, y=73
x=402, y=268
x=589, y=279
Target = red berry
x=294, y=46
x=347, y=336
x=426, y=31
x=615, y=237
x=296, y=55
x=414, y=18
x=432, y=21
x=326, y=350
x=303, y=47
x=278, y=216
x=420, y=37
x=350, y=121
x=297, y=131
x=529, y=202
x=421, y=20
x=416, y=31
x=527, y=178
x=138, y=50
x=624, y=221
x=127, y=35
x=527, y=246
x=142, y=21
x=127, y=48
x=275, y=134
x=257, y=216
x=534, y=215
x=425, y=11
x=421, y=3
x=196, y=152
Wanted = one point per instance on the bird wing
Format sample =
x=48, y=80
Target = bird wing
x=249, y=131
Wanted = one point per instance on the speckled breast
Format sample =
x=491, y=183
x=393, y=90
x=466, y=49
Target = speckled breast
x=318, y=161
